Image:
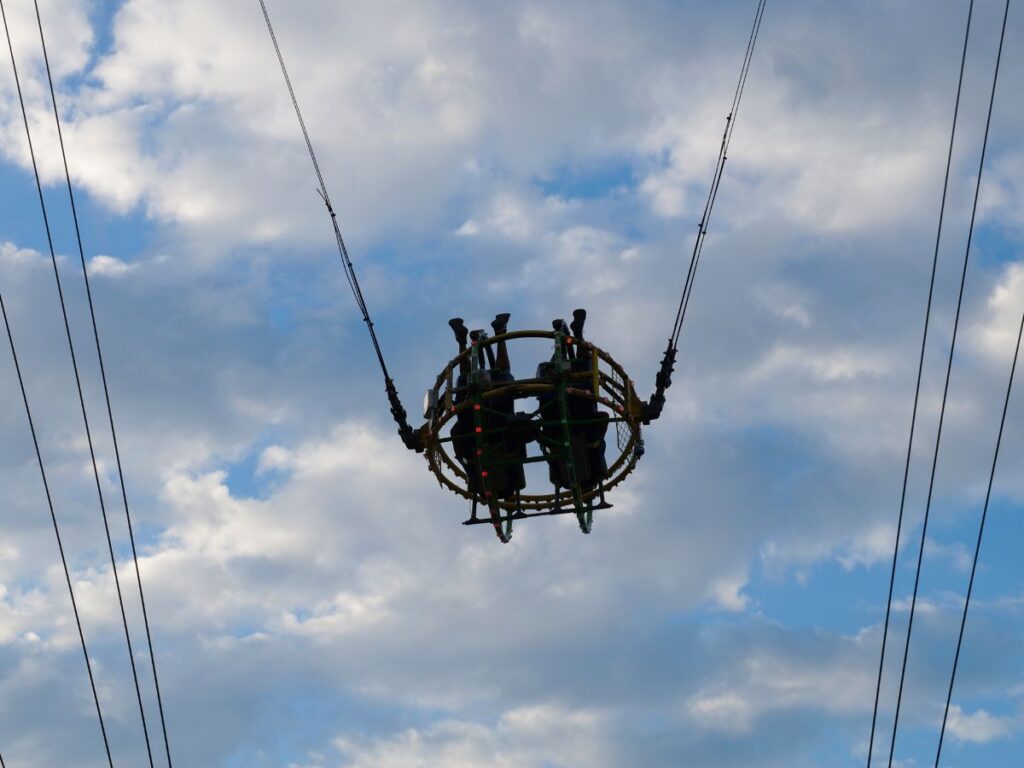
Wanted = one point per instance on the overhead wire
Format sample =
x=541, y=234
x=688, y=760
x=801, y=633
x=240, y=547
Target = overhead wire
x=106, y=388
x=53, y=516
x=81, y=396
x=977, y=546
x=350, y=274
x=917, y=388
x=945, y=391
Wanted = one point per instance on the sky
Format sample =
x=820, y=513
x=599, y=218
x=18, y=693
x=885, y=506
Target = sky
x=314, y=600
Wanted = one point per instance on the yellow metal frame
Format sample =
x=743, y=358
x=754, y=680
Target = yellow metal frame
x=614, y=390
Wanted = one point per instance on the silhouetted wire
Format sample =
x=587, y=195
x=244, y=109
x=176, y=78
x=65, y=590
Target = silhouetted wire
x=917, y=387
x=53, y=516
x=730, y=124
x=945, y=391
x=103, y=376
x=977, y=546
x=81, y=397
x=350, y=273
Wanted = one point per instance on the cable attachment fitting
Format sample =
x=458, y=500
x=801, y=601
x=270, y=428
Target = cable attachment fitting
x=411, y=437
x=327, y=202
x=652, y=408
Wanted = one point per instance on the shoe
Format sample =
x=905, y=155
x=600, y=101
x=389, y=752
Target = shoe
x=458, y=326
x=579, y=317
x=500, y=324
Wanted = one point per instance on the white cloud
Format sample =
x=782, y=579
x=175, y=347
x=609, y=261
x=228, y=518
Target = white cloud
x=996, y=334
x=290, y=543
x=979, y=727
x=766, y=683
x=825, y=366
x=543, y=736
x=109, y=266
x=728, y=594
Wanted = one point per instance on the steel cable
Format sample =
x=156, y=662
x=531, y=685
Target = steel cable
x=977, y=546
x=103, y=377
x=917, y=388
x=945, y=391
x=81, y=396
x=350, y=273
x=730, y=124
x=53, y=515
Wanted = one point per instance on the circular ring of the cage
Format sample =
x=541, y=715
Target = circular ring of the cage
x=453, y=364
x=439, y=458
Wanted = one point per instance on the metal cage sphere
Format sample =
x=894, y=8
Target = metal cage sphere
x=604, y=385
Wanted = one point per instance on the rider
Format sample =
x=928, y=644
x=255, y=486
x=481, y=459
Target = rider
x=499, y=451
x=587, y=424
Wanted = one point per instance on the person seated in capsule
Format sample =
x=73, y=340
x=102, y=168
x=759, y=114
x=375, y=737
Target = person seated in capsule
x=588, y=425
x=500, y=448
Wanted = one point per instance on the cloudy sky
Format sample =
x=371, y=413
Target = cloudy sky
x=315, y=601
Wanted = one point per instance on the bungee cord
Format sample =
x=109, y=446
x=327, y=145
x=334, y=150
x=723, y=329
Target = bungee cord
x=917, y=387
x=654, y=407
x=945, y=391
x=730, y=124
x=397, y=411
x=106, y=388
x=663, y=380
x=81, y=396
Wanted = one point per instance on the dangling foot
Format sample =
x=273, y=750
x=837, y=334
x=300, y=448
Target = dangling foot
x=458, y=327
x=500, y=323
x=579, y=318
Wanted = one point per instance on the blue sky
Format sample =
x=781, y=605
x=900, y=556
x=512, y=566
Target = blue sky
x=315, y=601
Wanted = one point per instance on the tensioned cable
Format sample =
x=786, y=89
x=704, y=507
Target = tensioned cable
x=945, y=391
x=53, y=514
x=977, y=546
x=81, y=396
x=730, y=125
x=409, y=436
x=917, y=388
x=103, y=377
x=350, y=273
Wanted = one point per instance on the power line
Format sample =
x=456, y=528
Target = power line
x=945, y=391
x=103, y=376
x=397, y=411
x=42, y=466
x=977, y=546
x=81, y=397
x=53, y=514
x=917, y=388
